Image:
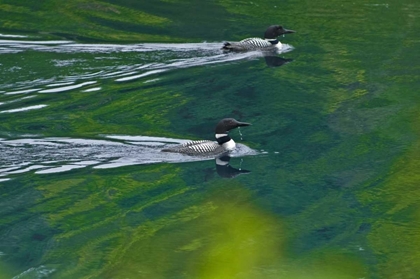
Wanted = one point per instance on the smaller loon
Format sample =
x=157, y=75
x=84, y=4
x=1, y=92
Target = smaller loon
x=270, y=41
x=223, y=142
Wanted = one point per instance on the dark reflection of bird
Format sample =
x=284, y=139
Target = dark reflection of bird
x=223, y=144
x=224, y=169
x=276, y=61
x=270, y=41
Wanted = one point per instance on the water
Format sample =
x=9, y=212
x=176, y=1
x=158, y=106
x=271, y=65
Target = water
x=323, y=184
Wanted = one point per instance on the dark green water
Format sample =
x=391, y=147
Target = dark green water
x=91, y=90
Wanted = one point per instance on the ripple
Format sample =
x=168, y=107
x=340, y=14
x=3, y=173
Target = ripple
x=159, y=58
x=66, y=88
x=54, y=155
x=141, y=75
x=12, y=36
x=59, y=84
x=22, y=91
x=16, y=100
x=92, y=89
x=36, y=272
x=60, y=169
x=24, y=109
x=64, y=63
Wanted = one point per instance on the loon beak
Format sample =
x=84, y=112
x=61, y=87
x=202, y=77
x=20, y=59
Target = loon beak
x=242, y=124
x=288, y=31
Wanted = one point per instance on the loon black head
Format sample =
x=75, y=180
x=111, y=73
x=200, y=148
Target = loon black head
x=274, y=31
x=227, y=124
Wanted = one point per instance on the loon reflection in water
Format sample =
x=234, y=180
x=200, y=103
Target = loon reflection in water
x=225, y=170
x=275, y=61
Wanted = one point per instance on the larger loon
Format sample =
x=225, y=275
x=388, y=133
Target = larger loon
x=223, y=143
x=270, y=41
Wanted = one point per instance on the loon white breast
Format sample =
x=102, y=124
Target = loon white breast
x=269, y=42
x=224, y=143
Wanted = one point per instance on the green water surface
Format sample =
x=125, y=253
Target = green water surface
x=333, y=192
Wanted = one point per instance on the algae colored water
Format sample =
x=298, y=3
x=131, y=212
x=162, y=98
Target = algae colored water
x=325, y=183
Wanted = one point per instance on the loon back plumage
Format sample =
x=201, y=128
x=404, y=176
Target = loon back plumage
x=250, y=44
x=268, y=43
x=197, y=147
x=206, y=147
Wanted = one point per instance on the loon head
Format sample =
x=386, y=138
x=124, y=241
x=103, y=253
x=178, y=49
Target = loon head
x=222, y=129
x=274, y=31
x=227, y=124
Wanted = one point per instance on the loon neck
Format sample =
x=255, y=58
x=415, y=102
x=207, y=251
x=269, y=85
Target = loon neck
x=227, y=142
x=272, y=41
x=222, y=138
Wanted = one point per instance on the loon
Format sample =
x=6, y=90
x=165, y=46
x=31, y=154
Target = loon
x=269, y=42
x=222, y=145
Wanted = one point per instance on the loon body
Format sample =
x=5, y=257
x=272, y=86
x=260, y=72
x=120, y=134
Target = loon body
x=269, y=42
x=223, y=143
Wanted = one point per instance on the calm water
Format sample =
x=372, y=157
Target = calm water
x=324, y=184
